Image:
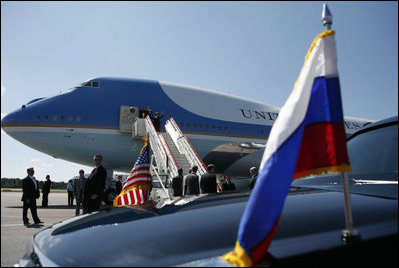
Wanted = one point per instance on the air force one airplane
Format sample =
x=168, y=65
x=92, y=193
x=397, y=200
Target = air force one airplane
x=225, y=130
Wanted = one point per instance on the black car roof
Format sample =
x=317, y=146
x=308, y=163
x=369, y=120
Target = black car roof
x=378, y=124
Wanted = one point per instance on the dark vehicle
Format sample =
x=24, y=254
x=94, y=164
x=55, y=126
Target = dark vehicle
x=196, y=231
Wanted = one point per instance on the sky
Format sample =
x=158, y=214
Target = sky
x=249, y=49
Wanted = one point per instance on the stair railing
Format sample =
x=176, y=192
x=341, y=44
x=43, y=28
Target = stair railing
x=157, y=148
x=163, y=156
x=171, y=164
x=184, y=145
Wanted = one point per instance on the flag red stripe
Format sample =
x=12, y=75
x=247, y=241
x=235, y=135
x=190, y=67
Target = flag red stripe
x=125, y=199
x=138, y=175
x=132, y=197
x=330, y=150
x=138, y=196
x=259, y=250
x=141, y=177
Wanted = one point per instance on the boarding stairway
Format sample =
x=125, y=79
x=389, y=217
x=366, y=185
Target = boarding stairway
x=171, y=149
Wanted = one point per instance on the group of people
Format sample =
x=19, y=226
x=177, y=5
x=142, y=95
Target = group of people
x=88, y=192
x=155, y=118
x=191, y=184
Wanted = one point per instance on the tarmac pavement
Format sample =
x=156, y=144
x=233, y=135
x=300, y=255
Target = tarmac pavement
x=14, y=235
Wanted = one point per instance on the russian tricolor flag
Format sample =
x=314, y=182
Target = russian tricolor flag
x=308, y=137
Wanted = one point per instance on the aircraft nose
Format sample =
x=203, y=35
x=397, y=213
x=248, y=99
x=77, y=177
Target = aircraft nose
x=11, y=120
x=7, y=121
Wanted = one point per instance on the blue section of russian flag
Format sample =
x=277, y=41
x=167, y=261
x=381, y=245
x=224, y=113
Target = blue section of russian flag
x=325, y=102
x=267, y=197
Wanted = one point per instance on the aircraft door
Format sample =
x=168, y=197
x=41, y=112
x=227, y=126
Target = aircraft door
x=126, y=118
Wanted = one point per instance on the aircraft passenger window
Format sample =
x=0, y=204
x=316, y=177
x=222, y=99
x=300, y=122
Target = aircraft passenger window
x=213, y=126
x=207, y=125
x=232, y=128
x=46, y=117
x=181, y=124
x=220, y=128
x=195, y=125
x=54, y=118
x=62, y=117
x=70, y=118
x=38, y=117
x=188, y=124
x=200, y=125
x=78, y=118
x=226, y=128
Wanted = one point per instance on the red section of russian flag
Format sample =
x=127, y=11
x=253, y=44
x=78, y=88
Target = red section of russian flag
x=258, y=252
x=323, y=145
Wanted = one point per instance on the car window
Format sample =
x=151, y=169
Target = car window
x=375, y=151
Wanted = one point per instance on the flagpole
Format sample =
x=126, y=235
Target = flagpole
x=349, y=235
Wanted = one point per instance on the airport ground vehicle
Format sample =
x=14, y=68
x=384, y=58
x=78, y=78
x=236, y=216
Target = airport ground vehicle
x=194, y=231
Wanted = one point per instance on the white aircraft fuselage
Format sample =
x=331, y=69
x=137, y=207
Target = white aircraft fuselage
x=227, y=131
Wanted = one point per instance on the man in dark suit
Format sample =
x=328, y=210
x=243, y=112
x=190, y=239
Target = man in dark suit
x=46, y=191
x=208, y=180
x=177, y=183
x=191, y=185
x=254, y=175
x=118, y=186
x=94, y=187
x=228, y=185
x=30, y=189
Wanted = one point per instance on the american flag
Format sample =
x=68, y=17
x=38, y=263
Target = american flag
x=136, y=190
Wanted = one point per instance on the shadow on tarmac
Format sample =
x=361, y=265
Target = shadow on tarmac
x=34, y=225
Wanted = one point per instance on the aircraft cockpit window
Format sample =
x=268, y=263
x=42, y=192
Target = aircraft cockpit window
x=90, y=84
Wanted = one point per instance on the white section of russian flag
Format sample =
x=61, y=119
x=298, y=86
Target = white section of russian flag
x=322, y=61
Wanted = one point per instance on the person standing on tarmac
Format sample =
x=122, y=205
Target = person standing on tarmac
x=177, y=183
x=70, y=192
x=30, y=189
x=184, y=180
x=94, y=188
x=45, y=191
x=208, y=180
x=227, y=184
x=254, y=175
x=78, y=189
x=191, y=186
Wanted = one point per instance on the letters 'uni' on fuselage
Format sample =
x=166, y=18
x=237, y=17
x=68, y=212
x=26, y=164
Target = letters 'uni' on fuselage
x=224, y=129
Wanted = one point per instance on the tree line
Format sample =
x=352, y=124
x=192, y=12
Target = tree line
x=17, y=183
